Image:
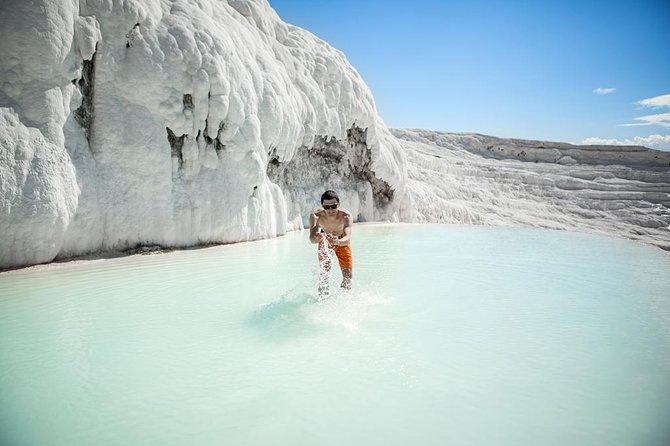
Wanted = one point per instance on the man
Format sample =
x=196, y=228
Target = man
x=330, y=227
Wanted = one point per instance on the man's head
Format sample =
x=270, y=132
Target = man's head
x=330, y=201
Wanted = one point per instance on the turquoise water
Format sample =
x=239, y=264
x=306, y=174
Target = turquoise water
x=451, y=335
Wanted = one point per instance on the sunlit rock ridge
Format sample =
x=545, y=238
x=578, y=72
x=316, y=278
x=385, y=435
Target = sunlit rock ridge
x=176, y=123
x=483, y=180
x=126, y=123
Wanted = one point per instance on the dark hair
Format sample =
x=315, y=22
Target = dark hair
x=329, y=195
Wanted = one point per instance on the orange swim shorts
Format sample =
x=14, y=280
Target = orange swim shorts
x=343, y=253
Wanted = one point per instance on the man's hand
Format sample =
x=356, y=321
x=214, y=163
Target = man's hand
x=314, y=216
x=314, y=226
x=333, y=239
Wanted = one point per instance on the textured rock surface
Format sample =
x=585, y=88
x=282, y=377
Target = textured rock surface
x=154, y=122
x=477, y=179
x=129, y=123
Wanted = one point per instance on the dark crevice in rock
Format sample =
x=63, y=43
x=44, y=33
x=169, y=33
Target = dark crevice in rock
x=148, y=249
x=85, y=114
x=188, y=102
x=361, y=167
x=220, y=147
x=130, y=36
x=209, y=140
x=331, y=163
x=381, y=191
x=176, y=144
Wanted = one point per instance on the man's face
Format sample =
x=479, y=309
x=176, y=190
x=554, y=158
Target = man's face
x=330, y=206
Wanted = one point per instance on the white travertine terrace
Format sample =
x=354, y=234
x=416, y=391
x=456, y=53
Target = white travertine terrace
x=177, y=123
x=134, y=122
x=483, y=180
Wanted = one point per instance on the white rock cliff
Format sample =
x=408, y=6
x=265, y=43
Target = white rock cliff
x=176, y=123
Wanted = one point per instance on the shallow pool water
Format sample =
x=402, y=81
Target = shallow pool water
x=451, y=335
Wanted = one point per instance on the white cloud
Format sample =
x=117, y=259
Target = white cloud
x=658, y=142
x=662, y=119
x=657, y=101
x=604, y=90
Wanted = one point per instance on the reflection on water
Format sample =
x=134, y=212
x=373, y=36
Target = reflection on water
x=450, y=335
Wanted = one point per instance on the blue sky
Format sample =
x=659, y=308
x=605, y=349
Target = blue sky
x=525, y=69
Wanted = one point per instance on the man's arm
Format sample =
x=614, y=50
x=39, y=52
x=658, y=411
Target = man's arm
x=314, y=226
x=348, y=224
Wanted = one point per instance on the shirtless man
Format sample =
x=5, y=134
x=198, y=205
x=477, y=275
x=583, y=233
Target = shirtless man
x=335, y=225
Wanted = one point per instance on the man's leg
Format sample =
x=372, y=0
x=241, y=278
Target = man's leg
x=346, y=262
x=346, y=278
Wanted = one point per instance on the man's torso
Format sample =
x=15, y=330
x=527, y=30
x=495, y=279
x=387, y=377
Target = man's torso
x=335, y=224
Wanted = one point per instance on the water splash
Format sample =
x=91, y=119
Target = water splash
x=299, y=313
x=348, y=309
x=285, y=317
x=326, y=260
x=327, y=281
